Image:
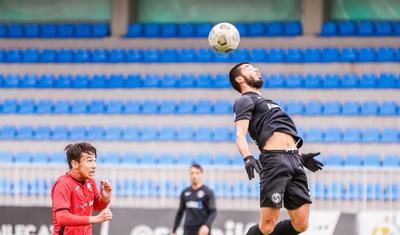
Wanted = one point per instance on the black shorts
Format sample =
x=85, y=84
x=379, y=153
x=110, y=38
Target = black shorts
x=192, y=230
x=283, y=180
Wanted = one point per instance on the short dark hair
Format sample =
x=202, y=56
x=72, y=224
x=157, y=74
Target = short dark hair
x=197, y=166
x=74, y=151
x=233, y=73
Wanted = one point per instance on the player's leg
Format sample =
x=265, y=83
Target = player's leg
x=268, y=218
x=300, y=217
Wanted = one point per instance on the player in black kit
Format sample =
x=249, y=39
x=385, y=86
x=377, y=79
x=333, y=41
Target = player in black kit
x=283, y=180
x=199, y=203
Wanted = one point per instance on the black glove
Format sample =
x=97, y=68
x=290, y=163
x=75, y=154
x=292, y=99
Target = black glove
x=251, y=164
x=308, y=160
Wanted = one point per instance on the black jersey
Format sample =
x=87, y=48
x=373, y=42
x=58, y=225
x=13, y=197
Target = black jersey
x=199, y=205
x=265, y=117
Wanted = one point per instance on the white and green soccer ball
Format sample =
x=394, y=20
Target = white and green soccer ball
x=224, y=37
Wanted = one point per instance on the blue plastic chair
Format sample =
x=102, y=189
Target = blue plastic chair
x=202, y=29
x=30, y=56
x=31, y=30
x=134, y=55
x=330, y=54
x=168, y=81
x=365, y=28
x=148, y=159
x=151, y=80
x=65, y=56
x=292, y=28
x=391, y=161
x=389, y=108
x=369, y=108
x=8, y=132
x=371, y=135
x=204, y=134
x=100, y=56
x=312, y=55
x=352, y=135
x=79, y=107
x=204, y=159
x=41, y=158
x=368, y=81
x=367, y=54
x=66, y=30
x=42, y=133
x=60, y=133
x=114, y=107
x=13, y=56
x=222, y=160
x=223, y=134
x=353, y=161
x=15, y=30
x=24, y=133
x=113, y=133
x=26, y=107
x=294, y=81
x=151, y=56
x=149, y=133
x=331, y=81
x=95, y=133
x=98, y=81
x=187, y=55
x=333, y=135
x=133, y=81
x=185, y=134
x=169, y=55
x=390, y=135
x=372, y=161
x=151, y=30
x=313, y=108
x=168, y=107
x=295, y=108
x=329, y=28
x=77, y=133
x=314, y=135
x=256, y=29
x=186, y=30
x=44, y=107
x=387, y=80
x=349, y=54
x=23, y=157
x=294, y=55
x=203, y=107
x=96, y=107
x=132, y=107
x=131, y=134
x=383, y=28
x=275, y=29
x=6, y=157
x=185, y=159
x=385, y=54
x=258, y=55
x=350, y=109
x=150, y=107
x=9, y=106
x=205, y=55
x=347, y=28
x=116, y=56
x=276, y=55
x=186, y=81
x=332, y=109
x=27, y=81
x=48, y=56
x=83, y=30
x=100, y=30
x=167, y=133
x=115, y=81
x=223, y=107
x=186, y=107
x=135, y=30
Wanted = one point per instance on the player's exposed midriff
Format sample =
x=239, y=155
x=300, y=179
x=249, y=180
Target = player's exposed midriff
x=280, y=141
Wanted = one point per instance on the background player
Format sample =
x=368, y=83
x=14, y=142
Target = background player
x=283, y=180
x=75, y=194
x=199, y=203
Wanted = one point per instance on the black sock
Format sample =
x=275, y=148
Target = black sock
x=284, y=227
x=254, y=230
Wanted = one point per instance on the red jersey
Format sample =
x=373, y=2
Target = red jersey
x=79, y=198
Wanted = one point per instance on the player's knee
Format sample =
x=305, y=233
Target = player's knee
x=268, y=226
x=300, y=225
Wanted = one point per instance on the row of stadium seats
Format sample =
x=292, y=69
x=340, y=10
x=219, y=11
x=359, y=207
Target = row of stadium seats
x=184, y=107
x=361, y=28
x=187, y=159
x=222, y=189
x=185, y=30
x=203, y=55
x=203, y=80
x=171, y=133
x=64, y=30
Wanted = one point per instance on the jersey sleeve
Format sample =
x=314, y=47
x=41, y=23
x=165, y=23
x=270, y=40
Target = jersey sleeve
x=212, y=209
x=61, y=197
x=179, y=213
x=98, y=203
x=243, y=108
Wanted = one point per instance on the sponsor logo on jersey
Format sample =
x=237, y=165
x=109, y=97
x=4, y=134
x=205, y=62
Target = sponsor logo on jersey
x=187, y=193
x=194, y=204
x=89, y=186
x=200, y=194
x=273, y=106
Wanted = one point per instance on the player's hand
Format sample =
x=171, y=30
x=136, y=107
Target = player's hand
x=308, y=160
x=106, y=190
x=103, y=216
x=204, y=230
x=251, y=164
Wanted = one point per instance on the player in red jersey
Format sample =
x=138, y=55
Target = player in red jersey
x=75, y=194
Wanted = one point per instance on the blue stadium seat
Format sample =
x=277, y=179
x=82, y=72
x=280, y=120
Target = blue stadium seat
x=9, y=106
x=331, y=81
x=334, y=161
x=169, y=55
x=94, y=133
x=313, y=108
x=3, y=30
x=329, y=28
x=222, y=160
x=116, y=56
x=151, y=30
x=330, y=54
x=60, y=133
x=369, y=108
x=13, y=56
x=11, y=81
x=256, y=29
x=275, y=29
x=23, y=157
x=150, y=107
x=185, y=134
x=383, y=28
x=374, y=191
x=223, y=134
x=391, y=161
x=349, y=54
x=292, y=28
x=113, y=133
x=65, y=56
x=333, y=135
x=186, y=81
x=45, y=81
x=350, y=109
x=365, y=28
x=202, y=29
x=294, y=81
x=97, y=81
x=276, y=81
x=385, y=54
x=148, y=159
x=100, y=30
x=167, y=133
x=151, y=80
x=332, y=108
x=42, y=133
x=351, y=135
x=276, y=55
x=7, y=132
x=41, y=157
x=204, y=134
x=77, y=133
x=203, y=107
x=355, y=191
x=372, y=161
x=240, y=55
x=388, y=80
x=314, y=135
x=15, y=30
x=83, y=30
x=389, y=108
x=186, y=107
x=66, y=30
x=44, y=107
x=223, y=107
x=295, y=108
x=368, y=81
x=222, y=57
x=186, y=30
x=79, y=107
x=205, y=55
x=294, y=55
x=134, y=55
x=26, y=107
x=168, y=107
x=6, y=157
x=100, y=55
x=96, y=107
x=58, y=158
x=27, y=81
x=135, y=30
x=169, y=81
x=367, y=54
x=166, y=159
x=312, y=55
x=132, y=107
x=317, y=190
x=151, y=56
x=371, y=135
x=335, y=191
x=240, y=189
x=204, y=159
x=48, y=56
x=186, y=55
x=312, y=81
x=30, y=56
x=114, y=107
x=258, y=55
x=24, y=133
x=391, y=192
x=133, y=81
x=396, y=28
x=390, y=135
x=149, y=133
x=353, y=161
x=347, y=28
x=131, y=134
x=115, y=81
x=185, y=159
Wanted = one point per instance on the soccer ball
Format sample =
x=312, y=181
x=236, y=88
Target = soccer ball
x=224, y=37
